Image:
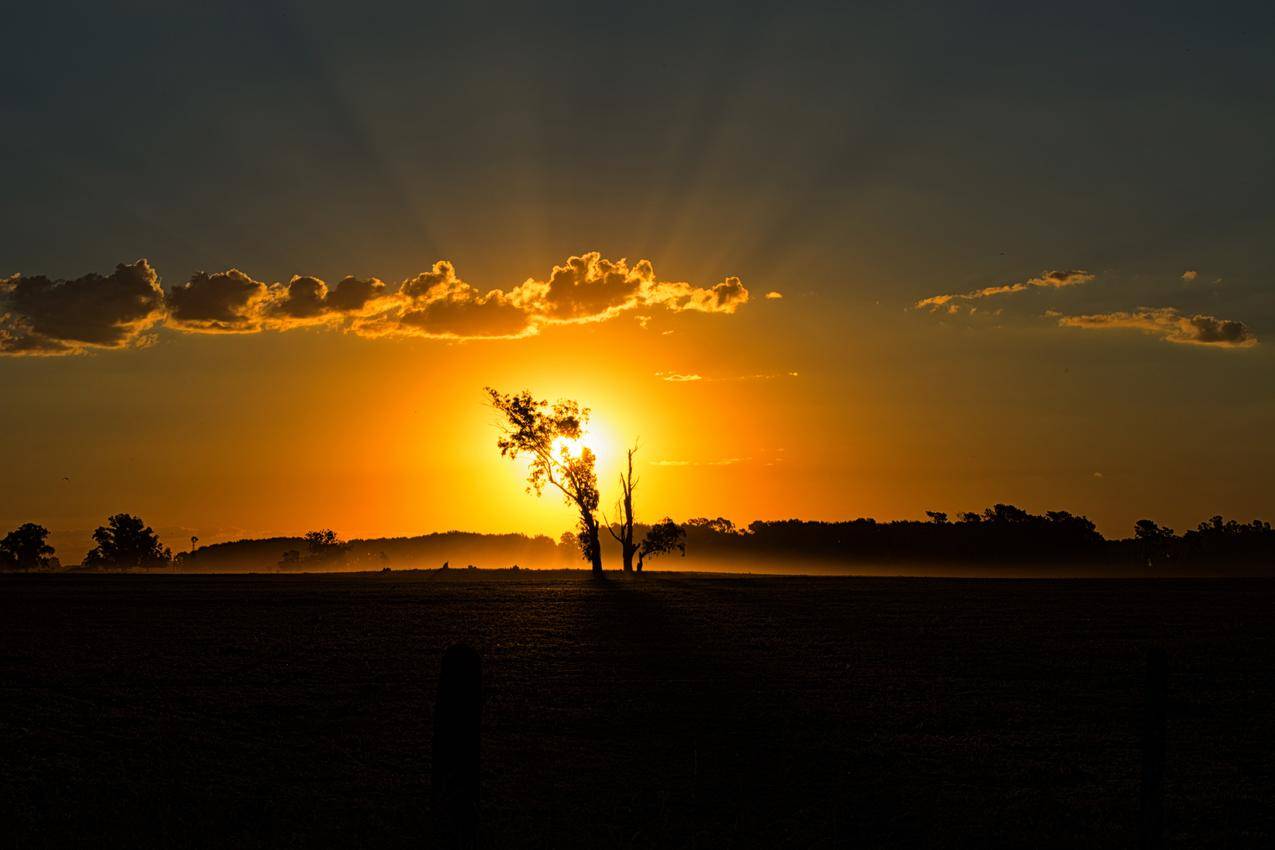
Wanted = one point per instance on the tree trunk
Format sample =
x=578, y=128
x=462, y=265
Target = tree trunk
x=594, y=541
x=627, y=483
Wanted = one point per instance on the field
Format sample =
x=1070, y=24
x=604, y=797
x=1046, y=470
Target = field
x=673, y=710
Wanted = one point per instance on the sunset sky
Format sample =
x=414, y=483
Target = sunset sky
x=830, y=262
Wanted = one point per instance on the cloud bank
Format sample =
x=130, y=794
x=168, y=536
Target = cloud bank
x=40, y=316
x=1169, y=324
x=1046, y=280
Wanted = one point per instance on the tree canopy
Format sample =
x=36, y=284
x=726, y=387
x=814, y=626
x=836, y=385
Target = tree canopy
x=125, y=541
x=25, y=548
x=544, y=433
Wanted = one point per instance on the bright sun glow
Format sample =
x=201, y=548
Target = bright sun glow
x=589, y=439
x=596, y=438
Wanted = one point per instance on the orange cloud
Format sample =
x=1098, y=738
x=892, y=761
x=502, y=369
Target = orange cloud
x=1169, y=324
x=40, y=316
x=681, y=378
x=1047, y=280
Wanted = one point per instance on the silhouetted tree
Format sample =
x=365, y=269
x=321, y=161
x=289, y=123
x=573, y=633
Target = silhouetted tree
x=1148, y=529
x=1005, y=514
x=937, y=517
x=537, y=429
x=124, y=542
x=721, y=525
x=25, y=548
x=1154, y=540
x=322, y=541
x=624, y=508
x=663, y=537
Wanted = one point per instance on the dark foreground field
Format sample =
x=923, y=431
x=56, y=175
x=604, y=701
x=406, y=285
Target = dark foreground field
x=671, y=711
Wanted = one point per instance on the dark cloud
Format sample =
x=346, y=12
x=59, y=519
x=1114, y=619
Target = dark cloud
x=59, y=317
x=224, y=302
x=39, y=315
x=353, y=295
x=1171, y=325
x=304, y=297
x=306, y=300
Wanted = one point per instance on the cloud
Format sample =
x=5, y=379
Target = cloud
x=307, y=301
x=459, y=311
x=354, y=295
x=225, y=302
x=678, y=377
x=726, y=461
x=588, y=288
x=773, y=295
x=1171, y=325
x=303, y=298
x=1190, y=275
x=725, y=297
x=42, y=316
x=439, y=305
x=1046, y=280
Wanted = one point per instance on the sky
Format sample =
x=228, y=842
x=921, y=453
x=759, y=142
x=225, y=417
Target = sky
x=818, y=260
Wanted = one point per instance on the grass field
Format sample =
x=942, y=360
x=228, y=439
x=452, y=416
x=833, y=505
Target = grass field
x=669, y=711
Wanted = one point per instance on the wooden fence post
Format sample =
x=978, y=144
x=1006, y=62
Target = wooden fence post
x=457, y=725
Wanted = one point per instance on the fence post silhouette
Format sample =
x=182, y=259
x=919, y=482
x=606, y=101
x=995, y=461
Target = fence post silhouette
x=457, y=721
x=1151, y=832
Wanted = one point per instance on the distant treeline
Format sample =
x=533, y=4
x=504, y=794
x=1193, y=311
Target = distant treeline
x=1000, y=536
x=323, y=550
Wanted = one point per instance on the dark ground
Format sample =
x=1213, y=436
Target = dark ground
x=671, y=711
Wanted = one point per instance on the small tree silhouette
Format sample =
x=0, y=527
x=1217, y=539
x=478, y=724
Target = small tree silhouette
x=663, y=537
x=322, y=541
x=534, y=428
x=124, y=542
x=25, y=548
x=1154, y=539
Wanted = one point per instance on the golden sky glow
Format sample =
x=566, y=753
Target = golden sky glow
x=819, y=265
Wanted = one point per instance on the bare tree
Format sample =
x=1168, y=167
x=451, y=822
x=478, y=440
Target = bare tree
x=624, y=510
x=540, y=430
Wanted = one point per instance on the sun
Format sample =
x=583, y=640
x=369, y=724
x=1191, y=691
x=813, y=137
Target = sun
x=575, y=447
x=593, y=438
